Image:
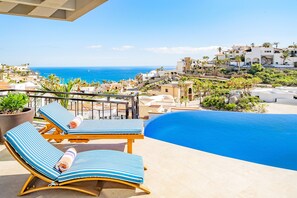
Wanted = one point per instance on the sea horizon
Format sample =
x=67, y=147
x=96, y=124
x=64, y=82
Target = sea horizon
x=70, y=66
x=95, y=73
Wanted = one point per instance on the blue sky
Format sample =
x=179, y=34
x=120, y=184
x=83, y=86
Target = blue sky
x=146, y=32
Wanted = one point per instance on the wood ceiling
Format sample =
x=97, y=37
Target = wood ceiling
x=67, y=10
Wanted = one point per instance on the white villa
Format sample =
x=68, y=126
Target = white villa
x=267, y=56
x=21, y=68
x=283, y=95
x=270, y=56
x=187, y=64
x=150, y=75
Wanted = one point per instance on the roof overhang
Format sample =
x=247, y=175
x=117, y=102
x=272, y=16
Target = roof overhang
x=67, y=10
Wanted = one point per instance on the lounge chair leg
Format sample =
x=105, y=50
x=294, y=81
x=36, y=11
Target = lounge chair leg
x=145, y=189
x=29, y=187
x=58, y=132
x=26, y=185
x=46, y=128
x=129, y=146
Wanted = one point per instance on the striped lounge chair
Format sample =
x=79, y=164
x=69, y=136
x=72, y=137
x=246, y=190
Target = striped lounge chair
x=39, y=157
x=58, y=118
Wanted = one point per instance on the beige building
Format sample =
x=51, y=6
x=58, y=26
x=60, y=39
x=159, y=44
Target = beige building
x=178, y=92
x=155, y=105
x=108, y=87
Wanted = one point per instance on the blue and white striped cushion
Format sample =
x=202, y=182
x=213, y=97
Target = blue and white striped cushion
x=61, y=117
x=31, y=146
x=134, y=126
x=107, y=164
x=57, y=114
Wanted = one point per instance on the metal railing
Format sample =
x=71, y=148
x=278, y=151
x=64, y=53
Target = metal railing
x=91, y=106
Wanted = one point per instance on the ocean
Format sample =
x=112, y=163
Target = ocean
x=96, y=74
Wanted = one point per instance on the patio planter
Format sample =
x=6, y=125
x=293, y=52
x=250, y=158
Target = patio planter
x=9, y=121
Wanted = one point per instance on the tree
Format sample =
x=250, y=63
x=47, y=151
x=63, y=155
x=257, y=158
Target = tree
x=205, y=58
x=52, y=83
x=182, y=85
x=220, y=50
x=184, y=99
x=276, y=44
x=206, y=87
x=197, y=87
x=253, y=44
x=266, y=44
x=238, y=60
x=285, y=55
x=227, y=61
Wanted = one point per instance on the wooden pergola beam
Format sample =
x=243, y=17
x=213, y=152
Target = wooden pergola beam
x=67, y=10
x=54, y=4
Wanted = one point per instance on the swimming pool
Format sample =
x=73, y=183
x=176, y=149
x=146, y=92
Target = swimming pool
x=269, y=139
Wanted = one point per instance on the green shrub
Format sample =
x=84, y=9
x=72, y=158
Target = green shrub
x=231, y=107
x=255, y=68
x=13, y=103
x=276, y=85
x=247, y=103
x=216, y=102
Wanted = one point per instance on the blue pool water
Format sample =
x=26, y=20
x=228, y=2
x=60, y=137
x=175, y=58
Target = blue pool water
x=267, y=139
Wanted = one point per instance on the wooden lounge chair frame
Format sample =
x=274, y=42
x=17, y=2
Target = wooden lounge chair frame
x=29, y=185
x=58, y=135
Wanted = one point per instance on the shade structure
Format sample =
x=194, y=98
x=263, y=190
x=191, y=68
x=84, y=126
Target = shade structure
x=67, y=10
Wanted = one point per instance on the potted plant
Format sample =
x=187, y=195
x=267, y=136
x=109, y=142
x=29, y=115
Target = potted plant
x=13, y=112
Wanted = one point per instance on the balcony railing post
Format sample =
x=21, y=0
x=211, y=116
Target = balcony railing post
x=133, y=107
x=137, y=106
x=127, y=111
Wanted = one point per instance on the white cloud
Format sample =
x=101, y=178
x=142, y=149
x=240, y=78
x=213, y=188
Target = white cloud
x=123, y=48
x=183, y=50
x=94, y=46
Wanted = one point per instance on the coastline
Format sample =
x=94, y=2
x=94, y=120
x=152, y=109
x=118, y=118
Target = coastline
x=95, y=73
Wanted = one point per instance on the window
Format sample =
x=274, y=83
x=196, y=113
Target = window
x=166, y=90
x=190, y=90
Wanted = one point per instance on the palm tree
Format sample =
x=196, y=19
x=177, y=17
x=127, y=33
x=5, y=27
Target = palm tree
x=197, y=86
x=220, y=50
x=276, y=44
x=238, y=60
x=206, y=87
x=52, y=83
x=182, y=85
x=227, y=61
x=253, y=44
x=285, y=55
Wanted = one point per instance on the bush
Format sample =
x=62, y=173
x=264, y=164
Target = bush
x=255, y=68
x=231, y=107
x=276, y=85
x=247, y=103
x=217, y=102
x=13, y=103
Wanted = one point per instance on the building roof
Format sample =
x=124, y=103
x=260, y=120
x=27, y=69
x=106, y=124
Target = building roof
x=4, y=85
x=67, y=10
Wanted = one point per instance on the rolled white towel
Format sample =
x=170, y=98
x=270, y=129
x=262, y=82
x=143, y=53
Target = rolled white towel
x=66, y=160
x=76, y=122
